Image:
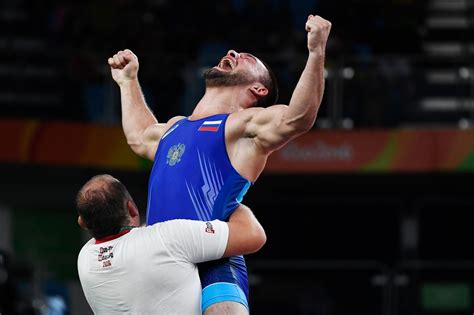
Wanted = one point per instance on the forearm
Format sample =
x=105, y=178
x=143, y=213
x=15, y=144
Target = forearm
x=246, y=235
x=244, y=216
x=136, y=115
x=308, y=94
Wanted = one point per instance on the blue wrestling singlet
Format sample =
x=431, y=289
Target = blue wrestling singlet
x=192, y=178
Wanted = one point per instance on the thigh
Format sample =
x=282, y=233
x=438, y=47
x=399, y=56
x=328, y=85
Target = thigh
x=233, y=308
x=224, y=280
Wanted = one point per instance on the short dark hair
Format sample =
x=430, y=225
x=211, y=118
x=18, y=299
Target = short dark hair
x=270, y=82
x=103, y=207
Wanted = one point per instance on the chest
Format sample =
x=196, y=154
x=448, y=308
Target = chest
x=190, y=142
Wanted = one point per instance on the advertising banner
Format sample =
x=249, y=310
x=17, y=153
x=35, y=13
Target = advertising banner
x=86, y=145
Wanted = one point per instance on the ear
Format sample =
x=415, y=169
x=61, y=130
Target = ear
x=258, y=90
x=81, y=223
x=132, y=209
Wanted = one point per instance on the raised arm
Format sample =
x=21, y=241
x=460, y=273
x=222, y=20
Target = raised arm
x=275, y=126
x=140, y=126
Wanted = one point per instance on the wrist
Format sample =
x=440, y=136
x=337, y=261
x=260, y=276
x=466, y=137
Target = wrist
x=317, y=52
x=125, y=83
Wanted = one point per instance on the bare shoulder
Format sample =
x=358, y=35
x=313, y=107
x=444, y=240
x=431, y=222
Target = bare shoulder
x=244, y=115
x=270, y=112
x=173, y=120
x=240, y=121
x=250, y=113
x=154, y=132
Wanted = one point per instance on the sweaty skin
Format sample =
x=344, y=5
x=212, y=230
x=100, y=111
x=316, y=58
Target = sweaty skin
x=252, y=133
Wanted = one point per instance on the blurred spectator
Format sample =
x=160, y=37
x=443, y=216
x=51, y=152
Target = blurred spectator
x=176, y=39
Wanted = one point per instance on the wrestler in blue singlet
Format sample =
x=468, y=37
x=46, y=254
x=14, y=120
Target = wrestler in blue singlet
x=192, y=178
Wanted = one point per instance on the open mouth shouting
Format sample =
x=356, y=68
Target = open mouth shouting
x=227, y=64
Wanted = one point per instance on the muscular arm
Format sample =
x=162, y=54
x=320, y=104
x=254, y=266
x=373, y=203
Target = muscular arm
x=275, y=126
x=246, y=235
x=308, y=94
x=136, y=116
x=197, y=241
x=141, y=128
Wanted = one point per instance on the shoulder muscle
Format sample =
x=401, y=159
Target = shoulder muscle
x=152, y=135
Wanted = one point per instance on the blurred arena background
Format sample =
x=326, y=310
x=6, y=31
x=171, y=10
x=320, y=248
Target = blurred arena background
x=370, y=213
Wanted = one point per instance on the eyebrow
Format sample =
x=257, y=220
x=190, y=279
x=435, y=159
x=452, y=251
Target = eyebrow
x=250, y=55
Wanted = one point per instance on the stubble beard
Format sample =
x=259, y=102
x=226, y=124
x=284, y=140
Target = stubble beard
x=217, y=78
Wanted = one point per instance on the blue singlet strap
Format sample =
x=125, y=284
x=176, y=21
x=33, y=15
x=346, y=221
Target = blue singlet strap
x=222, y=292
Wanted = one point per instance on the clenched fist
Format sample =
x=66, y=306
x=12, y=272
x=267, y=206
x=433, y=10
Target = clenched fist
x=123, y=66
x=318, y=32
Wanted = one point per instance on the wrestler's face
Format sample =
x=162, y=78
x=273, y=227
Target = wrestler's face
x=235, y=69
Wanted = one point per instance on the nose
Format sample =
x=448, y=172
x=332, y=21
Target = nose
x=233, y=54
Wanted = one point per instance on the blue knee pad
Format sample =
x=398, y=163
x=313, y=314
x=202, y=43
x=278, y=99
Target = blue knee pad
x=222, y=292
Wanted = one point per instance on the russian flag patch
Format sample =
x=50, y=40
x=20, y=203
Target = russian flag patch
x=210, y=125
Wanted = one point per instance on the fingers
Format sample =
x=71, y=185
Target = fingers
x=311, y=23
x=128, y=55
x=315, y=22
x=128, y=52
x=121, y=59
x=118, y=60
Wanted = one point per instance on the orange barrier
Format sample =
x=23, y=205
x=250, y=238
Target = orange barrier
x=66, y=144
x=86, y=145
x=375, y=151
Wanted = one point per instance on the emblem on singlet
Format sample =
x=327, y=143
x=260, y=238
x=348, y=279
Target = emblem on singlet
x=174, y=154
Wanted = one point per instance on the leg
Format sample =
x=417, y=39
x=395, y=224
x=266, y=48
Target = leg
x=226, y=308
x=225, y=286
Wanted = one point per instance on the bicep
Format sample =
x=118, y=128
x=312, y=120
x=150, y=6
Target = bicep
x=149, y=141
x=271, y=129
x=151, y=137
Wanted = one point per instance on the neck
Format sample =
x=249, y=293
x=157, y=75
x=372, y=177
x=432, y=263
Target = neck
x=222, y=101
x=126, y=228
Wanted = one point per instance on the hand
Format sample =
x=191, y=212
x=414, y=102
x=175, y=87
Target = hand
x=123, y=66
x=318, y=32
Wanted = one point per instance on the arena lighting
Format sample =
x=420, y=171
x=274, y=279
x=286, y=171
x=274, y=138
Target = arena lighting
x=442, y=76
x=448, y=5
x=444, y=49
x=448, y=22
x=348, y=73
x=347, y=123
x=464, y=123
x=464, y=73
